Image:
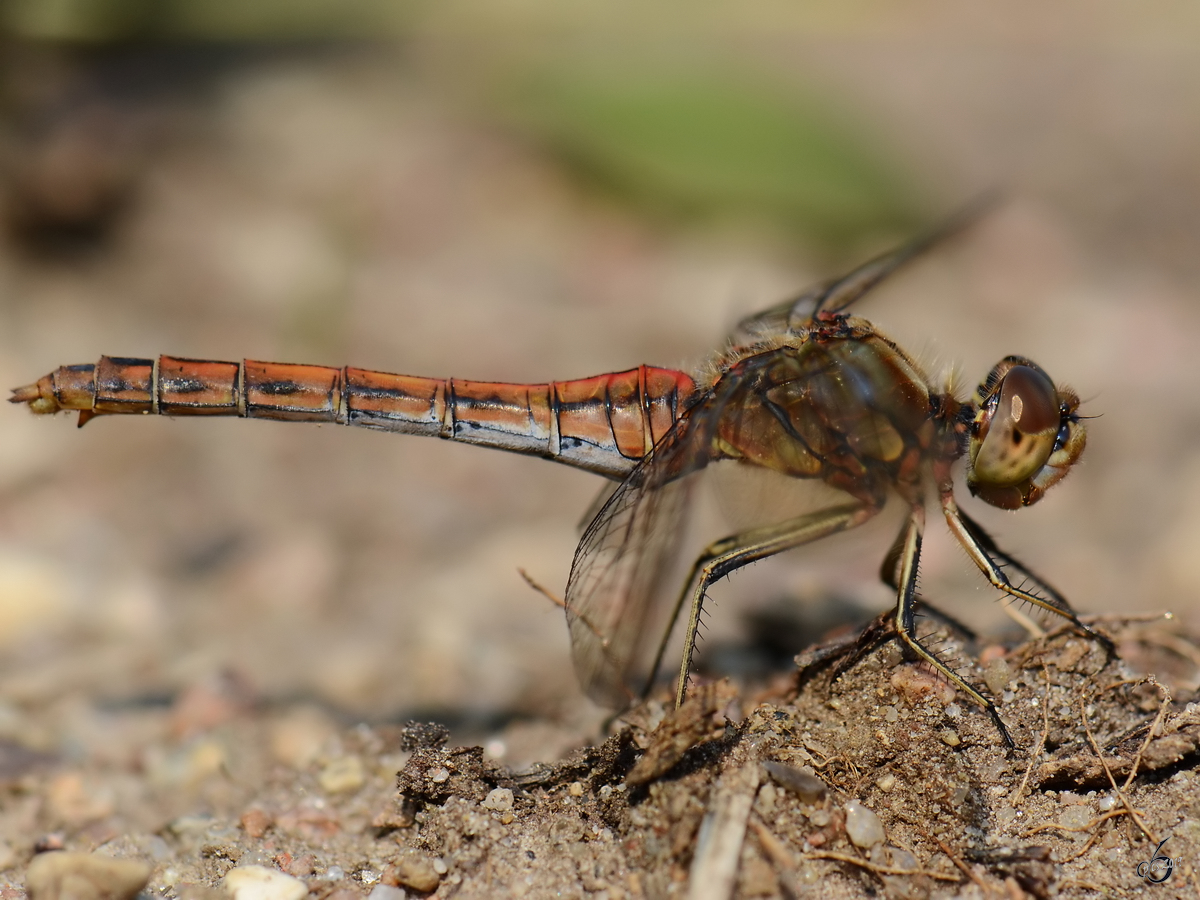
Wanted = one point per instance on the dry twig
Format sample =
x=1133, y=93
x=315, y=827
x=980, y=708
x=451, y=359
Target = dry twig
x=1137, y=819
x=878, y=869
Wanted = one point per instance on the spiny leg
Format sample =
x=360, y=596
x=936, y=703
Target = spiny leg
x=889, y=574
x=991, y=559
x=905, y=618
x=883, y=628
x=735, y=551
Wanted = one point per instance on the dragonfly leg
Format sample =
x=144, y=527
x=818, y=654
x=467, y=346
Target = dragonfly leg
x=910, y=559
x=996, y=565
x=889, y=574
x=733, y=552
x=882, y=629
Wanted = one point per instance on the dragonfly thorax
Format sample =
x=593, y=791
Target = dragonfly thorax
x=839, y=402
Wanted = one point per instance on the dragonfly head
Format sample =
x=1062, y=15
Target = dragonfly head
x=1025, y=436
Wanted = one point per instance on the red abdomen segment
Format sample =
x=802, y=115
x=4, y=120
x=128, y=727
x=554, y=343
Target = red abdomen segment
x=604, y=424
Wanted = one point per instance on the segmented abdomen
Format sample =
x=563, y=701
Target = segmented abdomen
x=604, y=424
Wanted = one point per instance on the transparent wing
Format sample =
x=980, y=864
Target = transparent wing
x=625, y=556
x=837, y=294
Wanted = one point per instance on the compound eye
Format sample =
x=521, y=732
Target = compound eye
x=1020, y=433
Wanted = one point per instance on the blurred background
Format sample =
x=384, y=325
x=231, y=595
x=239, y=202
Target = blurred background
x=527, y=191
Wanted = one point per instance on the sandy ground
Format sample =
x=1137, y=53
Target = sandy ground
x=197, y=615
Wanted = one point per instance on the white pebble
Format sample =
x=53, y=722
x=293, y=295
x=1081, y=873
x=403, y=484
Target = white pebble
x=261, y=883
x=387, y=892
x=863, y=826
x=1075, y=817
x=500, y=800
x=342, y=775
x=1106, y=803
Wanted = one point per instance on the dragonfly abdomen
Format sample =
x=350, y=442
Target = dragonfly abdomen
x=604, y=424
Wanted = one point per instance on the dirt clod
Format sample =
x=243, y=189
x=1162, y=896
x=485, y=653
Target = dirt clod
x=432, y=776
x=682, y=729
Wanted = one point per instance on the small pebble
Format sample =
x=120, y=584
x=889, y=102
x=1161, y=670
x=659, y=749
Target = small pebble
x=84, y=876
x=301, y=866
x=997, y=675
x=439, y=775
x=413, y=869
x=343, y=775
x=990, y=653
x=950, y=737
x=863, y=826
x=386, y=892
x=1106, y=803
x=803, y=781
x=439, y=865
x=765, y=804
x=369, y=875
x=334, y=873
x=1075, y=817
x=261, y=883
x=499, y=800
x=255, y=822
x=886, y=782
x=575, y=789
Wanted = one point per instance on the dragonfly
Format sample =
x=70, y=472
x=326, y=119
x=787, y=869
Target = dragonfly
x=805, y=390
